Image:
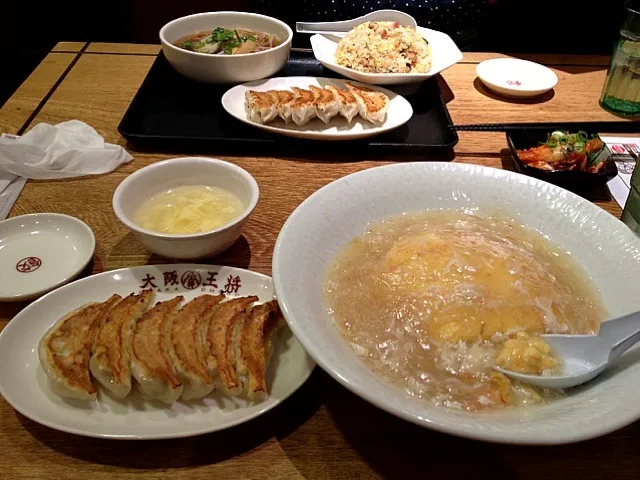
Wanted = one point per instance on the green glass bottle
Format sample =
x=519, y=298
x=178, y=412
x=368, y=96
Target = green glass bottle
x=621, y=92
x=631, y=212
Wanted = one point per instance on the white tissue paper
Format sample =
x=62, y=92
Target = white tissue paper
x=68, y=149
x=46, y=152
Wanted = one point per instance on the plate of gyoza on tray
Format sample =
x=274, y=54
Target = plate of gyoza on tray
x=317, y=108
x=152, y=352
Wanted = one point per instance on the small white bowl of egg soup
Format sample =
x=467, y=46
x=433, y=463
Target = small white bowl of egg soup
x=186, y=208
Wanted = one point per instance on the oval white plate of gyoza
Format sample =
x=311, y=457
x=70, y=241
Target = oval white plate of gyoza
x=398, y=110
x=24, y=384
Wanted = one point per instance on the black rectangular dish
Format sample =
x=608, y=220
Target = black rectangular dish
x=173, y=112
x=575, y=180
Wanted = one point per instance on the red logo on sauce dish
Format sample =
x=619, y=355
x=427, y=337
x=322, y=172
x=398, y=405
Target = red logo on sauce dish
x=517, y=83
x=28, y=264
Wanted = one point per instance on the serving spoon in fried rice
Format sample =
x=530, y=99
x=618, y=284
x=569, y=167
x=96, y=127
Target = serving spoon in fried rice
x=339, y=29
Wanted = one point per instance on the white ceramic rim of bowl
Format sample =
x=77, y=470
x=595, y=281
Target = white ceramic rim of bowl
x=71, y=276
x=487, y=64
x=370, y=395
x=239, y=55
x=253, y=185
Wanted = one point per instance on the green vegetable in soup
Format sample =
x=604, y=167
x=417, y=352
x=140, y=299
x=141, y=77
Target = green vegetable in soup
x=220, y=35
x=228, y=41
x=228, y=47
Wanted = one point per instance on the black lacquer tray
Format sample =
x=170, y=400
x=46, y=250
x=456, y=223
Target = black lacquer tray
x=173, y=112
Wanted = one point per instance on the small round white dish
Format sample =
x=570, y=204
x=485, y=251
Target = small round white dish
x=399, y=111
x=208, y=68
x=516, y=78
x=41, y=251
x=605, y=248
x=24, y=385
x=444, y=53
x=175, y=172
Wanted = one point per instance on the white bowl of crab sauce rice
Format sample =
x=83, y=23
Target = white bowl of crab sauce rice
x=412, y=286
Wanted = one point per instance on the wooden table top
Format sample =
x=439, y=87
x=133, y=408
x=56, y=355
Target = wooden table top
x=322, y=431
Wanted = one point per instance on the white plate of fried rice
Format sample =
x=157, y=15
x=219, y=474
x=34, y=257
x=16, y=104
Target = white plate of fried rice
x=397, y=56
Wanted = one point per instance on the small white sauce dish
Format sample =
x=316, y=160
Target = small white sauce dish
x=513, y=77
x=41, y=251
x=175, y=172
x=240, y=68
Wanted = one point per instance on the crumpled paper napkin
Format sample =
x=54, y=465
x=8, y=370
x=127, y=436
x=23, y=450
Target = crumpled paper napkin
x=46, y=152
x=68, y=149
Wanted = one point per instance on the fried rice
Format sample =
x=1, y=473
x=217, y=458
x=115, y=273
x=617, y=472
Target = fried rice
x=384, y=47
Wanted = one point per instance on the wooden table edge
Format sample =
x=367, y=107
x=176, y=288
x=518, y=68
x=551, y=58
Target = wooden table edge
x=69, y=47
x=123, y=48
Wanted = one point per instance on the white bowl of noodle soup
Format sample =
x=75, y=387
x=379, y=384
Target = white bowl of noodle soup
x=602, y=246
x=237, y=68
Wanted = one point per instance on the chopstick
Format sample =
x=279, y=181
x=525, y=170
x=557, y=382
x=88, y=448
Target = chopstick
x=607, y=127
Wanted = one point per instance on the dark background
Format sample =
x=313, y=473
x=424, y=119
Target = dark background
x=29, y=29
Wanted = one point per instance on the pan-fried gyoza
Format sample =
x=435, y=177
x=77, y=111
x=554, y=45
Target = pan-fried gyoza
x=301, y=106
x=169, y=351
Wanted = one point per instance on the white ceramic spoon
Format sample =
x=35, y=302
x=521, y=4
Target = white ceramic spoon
x=339, y=29
x=584, y=357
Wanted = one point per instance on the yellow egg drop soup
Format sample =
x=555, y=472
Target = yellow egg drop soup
x=189, y=209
